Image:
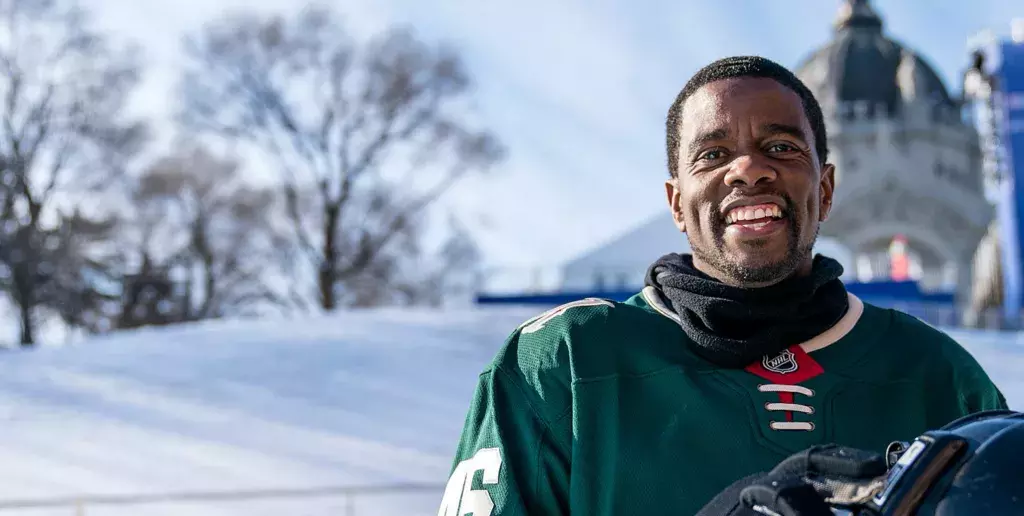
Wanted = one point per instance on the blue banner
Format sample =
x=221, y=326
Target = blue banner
x=1010, y=77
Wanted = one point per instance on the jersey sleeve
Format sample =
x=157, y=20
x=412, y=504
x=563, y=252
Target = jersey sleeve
x=508, y=463
x=959, y=371
x=977, y=391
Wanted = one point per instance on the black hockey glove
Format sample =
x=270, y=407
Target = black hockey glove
x=808, y=483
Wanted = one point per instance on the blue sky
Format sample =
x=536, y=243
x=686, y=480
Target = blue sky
x=577, y=89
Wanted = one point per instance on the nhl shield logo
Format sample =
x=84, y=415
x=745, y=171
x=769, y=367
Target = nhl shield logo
x=783, y=363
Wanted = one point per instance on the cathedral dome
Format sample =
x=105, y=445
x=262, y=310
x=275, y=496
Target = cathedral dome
x=862, y=65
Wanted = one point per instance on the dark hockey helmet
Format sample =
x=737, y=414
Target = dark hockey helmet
x=972, y=466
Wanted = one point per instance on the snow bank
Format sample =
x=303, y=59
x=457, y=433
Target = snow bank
x=358, y=398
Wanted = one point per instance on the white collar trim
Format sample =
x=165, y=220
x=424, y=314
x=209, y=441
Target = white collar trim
x=820, y=341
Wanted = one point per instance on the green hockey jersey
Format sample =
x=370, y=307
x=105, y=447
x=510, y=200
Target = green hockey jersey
x=600, y=408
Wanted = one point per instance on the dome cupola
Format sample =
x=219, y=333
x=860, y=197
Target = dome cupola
x=862, y=65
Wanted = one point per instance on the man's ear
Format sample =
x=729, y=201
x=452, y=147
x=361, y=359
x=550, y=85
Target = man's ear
x=674, y=196
x=826, y=189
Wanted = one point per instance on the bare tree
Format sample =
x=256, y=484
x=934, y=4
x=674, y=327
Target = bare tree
x=62, y=131
x=365, y=136
x=78, y=278
x=404, y=274
x=200, y=228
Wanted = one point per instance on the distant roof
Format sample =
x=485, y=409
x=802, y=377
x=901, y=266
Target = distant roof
x=643, y=244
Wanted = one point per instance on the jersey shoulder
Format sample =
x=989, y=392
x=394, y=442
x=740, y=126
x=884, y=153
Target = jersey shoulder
x=535, y=358
x=951, y=360
x=541, y=343
x=558, y=322
x=939, y=349
x=580, y=341
x=588, y=331
x=920, y=337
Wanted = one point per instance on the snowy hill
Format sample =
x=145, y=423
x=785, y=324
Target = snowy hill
x=360, y=398
x=354, y=399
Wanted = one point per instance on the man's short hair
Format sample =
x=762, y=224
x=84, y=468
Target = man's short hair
x=743, y=66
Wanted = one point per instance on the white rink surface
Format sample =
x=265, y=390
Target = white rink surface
x=357, y=398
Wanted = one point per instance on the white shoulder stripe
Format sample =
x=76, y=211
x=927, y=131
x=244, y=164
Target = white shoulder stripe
x=537, y=323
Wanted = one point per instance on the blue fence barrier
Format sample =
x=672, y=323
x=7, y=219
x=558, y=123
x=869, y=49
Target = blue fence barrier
x=936, y=308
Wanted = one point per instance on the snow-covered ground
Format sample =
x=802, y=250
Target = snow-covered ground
x=358, y=398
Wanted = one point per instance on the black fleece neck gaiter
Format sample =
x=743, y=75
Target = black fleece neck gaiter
x=733, y=327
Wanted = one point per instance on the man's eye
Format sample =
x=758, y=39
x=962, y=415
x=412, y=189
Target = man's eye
x=710, y=155
x=781, y=147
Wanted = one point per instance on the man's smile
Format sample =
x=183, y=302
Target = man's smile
x=760, y=227
x=757, y=213
x=754, y=217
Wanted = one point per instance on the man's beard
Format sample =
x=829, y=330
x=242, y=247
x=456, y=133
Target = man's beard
x=767, y=273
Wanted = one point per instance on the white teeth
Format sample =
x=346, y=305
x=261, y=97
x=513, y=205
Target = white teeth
x=741, y=214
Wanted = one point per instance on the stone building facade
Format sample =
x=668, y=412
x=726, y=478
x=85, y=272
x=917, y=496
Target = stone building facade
x=906, y=161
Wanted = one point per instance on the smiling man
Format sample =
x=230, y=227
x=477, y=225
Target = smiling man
x=730, y=359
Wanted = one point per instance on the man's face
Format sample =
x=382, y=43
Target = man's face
x=750, y=191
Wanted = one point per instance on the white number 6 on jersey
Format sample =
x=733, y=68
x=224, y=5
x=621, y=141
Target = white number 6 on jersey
x=459, y=499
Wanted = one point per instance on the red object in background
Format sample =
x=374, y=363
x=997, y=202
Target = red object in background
x=899, y=264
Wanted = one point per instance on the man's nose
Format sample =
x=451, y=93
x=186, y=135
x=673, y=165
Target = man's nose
x=749, y=171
